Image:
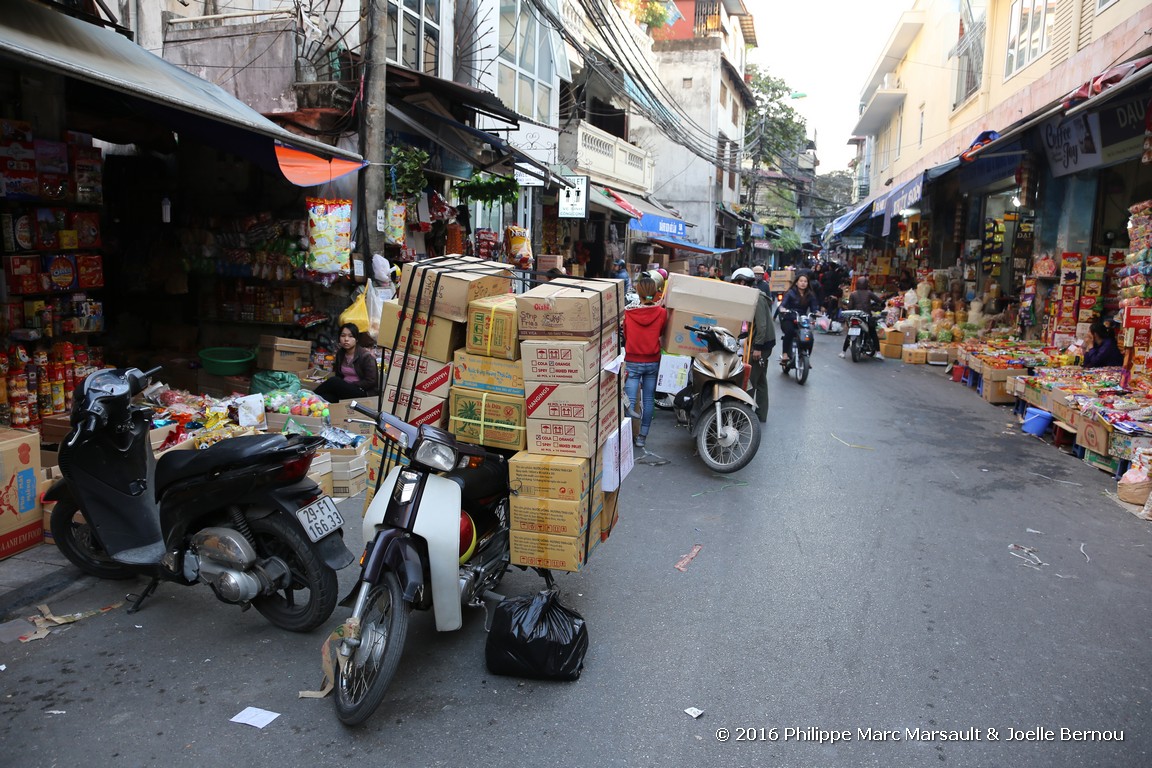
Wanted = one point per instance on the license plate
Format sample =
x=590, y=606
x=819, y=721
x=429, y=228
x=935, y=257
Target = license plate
x=320, y=518
x=854, y=331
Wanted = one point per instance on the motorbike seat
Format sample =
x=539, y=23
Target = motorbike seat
x=179, y=465
x=482, y=482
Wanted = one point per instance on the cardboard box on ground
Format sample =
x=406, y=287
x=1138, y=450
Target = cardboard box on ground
x=21, y=518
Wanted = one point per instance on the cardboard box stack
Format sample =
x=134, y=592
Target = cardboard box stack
x=702, y=301
x=568, y=334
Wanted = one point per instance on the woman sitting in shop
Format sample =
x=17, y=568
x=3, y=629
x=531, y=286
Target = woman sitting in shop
x=355, y=372
x=1103, y=351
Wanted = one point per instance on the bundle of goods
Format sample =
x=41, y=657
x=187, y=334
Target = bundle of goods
x=39, y=385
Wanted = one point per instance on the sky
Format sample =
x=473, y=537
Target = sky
x=825, y=49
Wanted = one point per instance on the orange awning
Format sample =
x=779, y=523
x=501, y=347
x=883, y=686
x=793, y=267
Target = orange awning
x=305, y=169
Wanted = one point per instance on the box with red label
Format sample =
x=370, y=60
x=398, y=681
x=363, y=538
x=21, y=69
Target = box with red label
x=1093, y=288
x=11, y=316
x=22, y=273
x=1070, y=292
x=1137, y=317
x=87, y=226
x=59, y=269
x=415, y=373
x=571, y=402
x=414, y=407
x=52, y=169
x=18, y=177
x=15, y=130
x=1089, y=302
x=19, y=230
x=89, y=270
x=49, y=222
x=21, y=521
x=572, y=438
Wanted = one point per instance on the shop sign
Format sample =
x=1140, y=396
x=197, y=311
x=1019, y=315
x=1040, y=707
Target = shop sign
x=1090, y=140
x=852, y=242
x=573, y=201
x=765, y=245
x=1122, y=129
x=527, y=179
x=658, y=225
x=757, y=230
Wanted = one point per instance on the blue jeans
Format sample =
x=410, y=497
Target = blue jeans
x=642, y=377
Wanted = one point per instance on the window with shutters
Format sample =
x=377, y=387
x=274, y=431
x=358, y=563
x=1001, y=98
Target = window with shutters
x=414, y=35
x=1030, y=25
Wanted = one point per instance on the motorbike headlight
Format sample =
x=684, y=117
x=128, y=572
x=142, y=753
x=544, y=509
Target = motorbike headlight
x=730, y=344
x=435, y=454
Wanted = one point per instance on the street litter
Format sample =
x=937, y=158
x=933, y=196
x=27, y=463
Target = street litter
x=682, y=563
x=55, y=712
x=695, y=713
x=3, y=667
x=47, y=621
x=255, y=716
x=853, y=445
x=330, y=657
x=1033, y=530
x=1030, y=558
x=1084, y=553
x=726, y=486
x=1066, y=482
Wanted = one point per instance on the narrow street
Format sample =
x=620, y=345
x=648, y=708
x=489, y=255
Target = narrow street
x=856, y=577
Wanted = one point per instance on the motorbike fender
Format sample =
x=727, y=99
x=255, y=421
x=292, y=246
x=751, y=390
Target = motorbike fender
x=60, y=490
x=394, y=550
x=723, y=390
x=438, y=523
x=330, y=549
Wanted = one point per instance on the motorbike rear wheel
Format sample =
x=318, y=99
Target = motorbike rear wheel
x=855, y=349
x=77, y=541
x=362, y=682
x=664, y=400
x=744, y=437
x=802, y=367
x=276, y=536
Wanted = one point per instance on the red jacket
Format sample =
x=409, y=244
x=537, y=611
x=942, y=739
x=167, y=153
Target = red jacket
x=642, y=328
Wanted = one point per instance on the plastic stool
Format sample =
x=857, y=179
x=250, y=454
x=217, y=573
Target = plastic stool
x=1062, y=434
x=1122, y=467
x=1078, y=451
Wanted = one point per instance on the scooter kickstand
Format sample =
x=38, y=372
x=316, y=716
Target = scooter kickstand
x=138, y=599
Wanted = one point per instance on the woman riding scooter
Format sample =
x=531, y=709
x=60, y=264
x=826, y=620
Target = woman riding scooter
x=864, y=300
x=802, y=300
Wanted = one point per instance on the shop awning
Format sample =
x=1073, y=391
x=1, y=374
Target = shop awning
x=653, y=219
x=35, y=35
x=841, y=223
x=422, y=119
x=1110, y=83
x=603, y=197
x=687, y=245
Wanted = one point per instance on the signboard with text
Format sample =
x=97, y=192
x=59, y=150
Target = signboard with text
x=573, y=202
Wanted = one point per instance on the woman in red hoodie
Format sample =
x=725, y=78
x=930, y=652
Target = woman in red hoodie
x=643, y=326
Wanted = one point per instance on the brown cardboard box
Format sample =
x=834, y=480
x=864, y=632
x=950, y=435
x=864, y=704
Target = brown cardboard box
x=462, y=279
x=680, y=341
x=222, y=386
x=1094, y=435
x=619, y=458
x=343, y=489
x=280, y=354
x=781, y=280
x=54, y=429
x=570, y=402
x=937, y=357
x=574, y=361
x=711, y=297
x=559, y=553
x=571, y=438
x=490, y=374
x=21, y=518
x=566, y=478
x=892, y=351
x=420, y=374
x=492, y=328
x=275, y=422
x=339, y=413
x=567, y=308
x=416, y=408
x=486, y=418
x=914, y=356
x=558, y=517
x=996, y=392
x=894, y=337
x=432, y=337
x=610, y=515
x=680, y=266
x=322, y=479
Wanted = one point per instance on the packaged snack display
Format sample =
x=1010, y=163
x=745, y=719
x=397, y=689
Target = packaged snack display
x=330, y=235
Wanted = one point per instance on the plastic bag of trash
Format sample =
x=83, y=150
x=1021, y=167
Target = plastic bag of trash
x=535, y=636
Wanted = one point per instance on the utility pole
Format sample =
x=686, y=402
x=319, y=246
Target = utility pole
x=373, y=147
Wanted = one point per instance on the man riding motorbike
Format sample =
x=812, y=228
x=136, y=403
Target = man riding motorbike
x=864, y=300
x=763, y=340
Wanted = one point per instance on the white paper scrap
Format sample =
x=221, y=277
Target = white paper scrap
x=695, y=713
x=255, y=716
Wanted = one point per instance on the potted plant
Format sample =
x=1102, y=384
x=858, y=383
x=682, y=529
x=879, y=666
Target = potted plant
x=488, y=189
x=408, y=180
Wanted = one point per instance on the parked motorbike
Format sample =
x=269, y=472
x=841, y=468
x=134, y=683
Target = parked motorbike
x=433, y=541
x=715, y=407
x=239, y=516
x=801, y=351
x=861, y=333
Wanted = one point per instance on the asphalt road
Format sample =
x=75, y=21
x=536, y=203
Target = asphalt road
x=856, y=577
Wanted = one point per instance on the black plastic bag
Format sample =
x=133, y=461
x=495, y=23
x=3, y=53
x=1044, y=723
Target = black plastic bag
x=535, y=636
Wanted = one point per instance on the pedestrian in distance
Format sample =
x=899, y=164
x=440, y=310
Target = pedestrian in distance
x=801, y=299
x=763, y=341
x=1103, y=351
x=761, y=282
x=620, y=272
x=643, y=327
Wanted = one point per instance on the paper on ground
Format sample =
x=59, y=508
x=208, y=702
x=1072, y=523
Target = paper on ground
x=255, y=716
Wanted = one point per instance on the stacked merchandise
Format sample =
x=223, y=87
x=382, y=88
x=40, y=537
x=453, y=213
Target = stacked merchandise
x=1135, y=291
x=992, y=248
x=559, y=512
x=1065, y=305
x=34, y=387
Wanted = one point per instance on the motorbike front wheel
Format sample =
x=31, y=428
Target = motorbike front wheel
x=729, y=445
x=77, y=541
x=362, y=682
x=311, y=597
x=855, y=349
x=802, y=367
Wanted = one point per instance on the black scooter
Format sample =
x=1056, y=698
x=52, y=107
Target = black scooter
x=240, y=516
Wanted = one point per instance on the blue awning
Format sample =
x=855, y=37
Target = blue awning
x=687, y=245
x=841, y=223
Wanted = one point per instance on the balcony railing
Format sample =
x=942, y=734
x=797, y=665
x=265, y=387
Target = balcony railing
x=609, y=158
